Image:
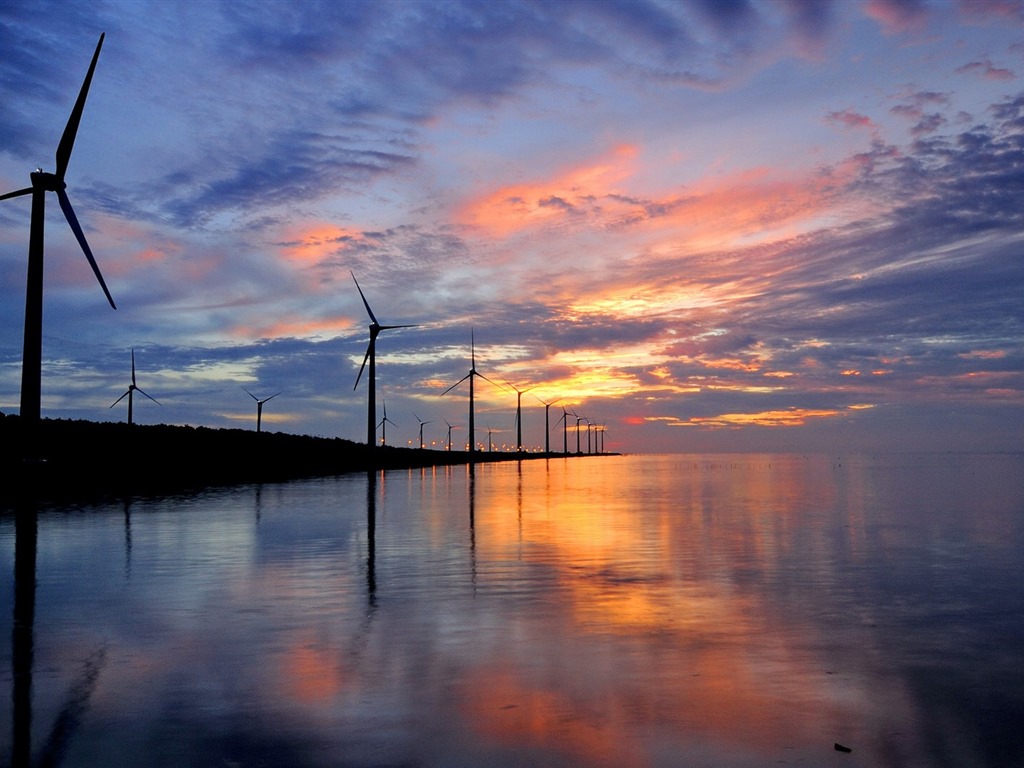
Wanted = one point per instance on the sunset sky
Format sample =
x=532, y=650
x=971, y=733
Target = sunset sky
x=713, y=225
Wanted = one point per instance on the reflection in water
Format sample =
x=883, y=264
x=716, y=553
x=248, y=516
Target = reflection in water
x=76, y=701
x=626, y=611
x=371, y=531
x=22, y=635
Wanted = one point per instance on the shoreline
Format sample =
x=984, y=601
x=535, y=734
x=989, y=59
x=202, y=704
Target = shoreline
x=81, y=460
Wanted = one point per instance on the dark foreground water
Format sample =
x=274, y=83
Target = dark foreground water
x=745, y=610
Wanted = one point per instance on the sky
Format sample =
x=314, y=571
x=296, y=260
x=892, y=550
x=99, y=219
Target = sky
x=717, y=225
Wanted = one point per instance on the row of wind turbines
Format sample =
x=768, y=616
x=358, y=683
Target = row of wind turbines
x=372, y=425
x=44, y=182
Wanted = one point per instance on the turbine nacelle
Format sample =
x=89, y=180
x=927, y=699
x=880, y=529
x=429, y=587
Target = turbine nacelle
x=50, y=182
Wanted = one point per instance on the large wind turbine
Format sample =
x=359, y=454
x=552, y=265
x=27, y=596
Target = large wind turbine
x=132, y=388
x=259, y=406
x=450, y=428
x=42, y=182
x=371, y=355
x=473, y=373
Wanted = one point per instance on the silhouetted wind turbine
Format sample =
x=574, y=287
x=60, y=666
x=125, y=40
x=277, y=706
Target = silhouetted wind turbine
x=128, y=393
x=565, y=431
x=450, y=428
x=489, y=446
x=422, y=423
x=383, y=424
x=259, y=406
x=31, y=361
x=519, y=414
x=371, y=355
x=547, y=429
x=578, y=420
x=473, y=372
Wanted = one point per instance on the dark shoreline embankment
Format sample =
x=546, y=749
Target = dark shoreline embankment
x=84, y=460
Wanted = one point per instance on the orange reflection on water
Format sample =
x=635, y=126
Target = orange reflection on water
x=701, y=649
x=503, y=708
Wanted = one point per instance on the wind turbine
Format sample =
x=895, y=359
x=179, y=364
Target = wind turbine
x=259, y=406
x=519, y=414
x=383, y=424
x=450, y=428
x=422, y=422
x=473, y=372
x=129, y=392
x=565, y=430
x=31, y=360
x=578, y=420
x=547, y=429
x=371, y=355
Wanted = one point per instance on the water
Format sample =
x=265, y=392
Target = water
x=743, y=610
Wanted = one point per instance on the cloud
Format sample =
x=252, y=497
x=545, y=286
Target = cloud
x=986, y=69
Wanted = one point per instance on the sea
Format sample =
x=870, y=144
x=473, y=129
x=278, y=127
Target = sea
x=717, y=610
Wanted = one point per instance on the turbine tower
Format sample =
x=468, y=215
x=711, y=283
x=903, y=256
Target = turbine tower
x=31, y=361
x=371, y=355
x=259, y=406
x=473, y=373
x=132, y=388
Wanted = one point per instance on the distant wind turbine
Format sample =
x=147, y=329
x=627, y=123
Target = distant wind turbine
x=31, y=361
x=259, y=406
x=565, y=430
x=578, y=420
x=384, y=424
x=450, y=428
x=422, y=423
x=547, y=429
x=371, y=355
x=132, y=388
x=473, y=373
x=519, y=413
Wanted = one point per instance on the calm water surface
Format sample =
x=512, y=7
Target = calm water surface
x=742, y=610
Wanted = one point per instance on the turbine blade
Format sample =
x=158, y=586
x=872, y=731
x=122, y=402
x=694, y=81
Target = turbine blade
x=250, y=394
x=365, y=302
x=486, y=379
x=69, y=214
x=453, y=386
x=360, y=374
x=133, y=367
x=122, y=397
x=67, y=141
x=272, y=397
x=19, y=193
x=389, y=327
x=151, y=398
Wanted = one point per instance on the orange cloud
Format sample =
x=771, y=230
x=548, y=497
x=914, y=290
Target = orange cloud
x=292, y=328
x=715, y=211
x=792, y=417
x=315, y=243
x=519, y=206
